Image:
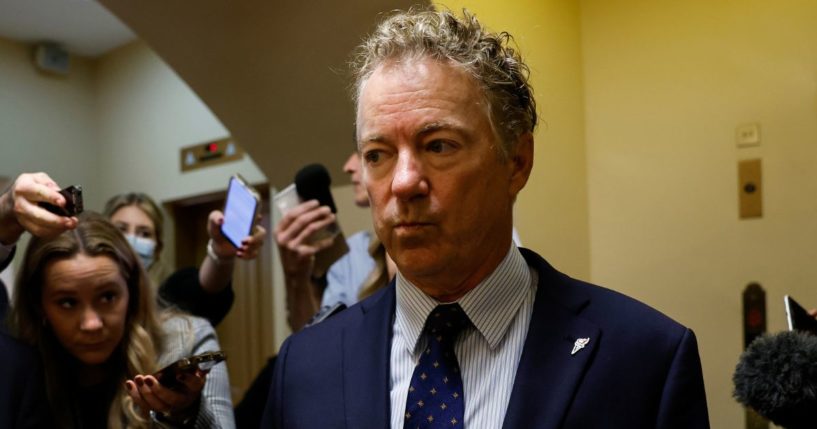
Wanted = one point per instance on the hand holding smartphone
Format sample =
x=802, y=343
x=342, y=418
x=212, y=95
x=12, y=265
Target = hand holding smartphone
x=240, y=210
x=168, y=376
x=73, y=202
x=798, y=318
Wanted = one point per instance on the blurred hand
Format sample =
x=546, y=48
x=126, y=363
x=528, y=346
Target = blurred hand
x=293, y=234
x=250, y=245
x=19, y=210
x=175, y=404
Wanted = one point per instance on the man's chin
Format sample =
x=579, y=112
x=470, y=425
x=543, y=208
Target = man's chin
x=419, y=263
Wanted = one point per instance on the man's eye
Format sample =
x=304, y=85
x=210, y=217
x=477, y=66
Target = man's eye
x=439, y=146
x=371, y=156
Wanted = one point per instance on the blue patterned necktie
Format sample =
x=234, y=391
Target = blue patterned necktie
x=435, y=397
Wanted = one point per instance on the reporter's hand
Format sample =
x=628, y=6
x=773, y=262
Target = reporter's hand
x=19, y=209
x=293, y=234
x=250, y=245
x=174, y=404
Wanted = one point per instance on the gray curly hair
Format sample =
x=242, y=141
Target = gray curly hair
x=488, y=57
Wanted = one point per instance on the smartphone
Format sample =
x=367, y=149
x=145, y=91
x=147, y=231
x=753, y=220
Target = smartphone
x=168, y=376
x=73, y=202
x=798, y=317
x=240, y=210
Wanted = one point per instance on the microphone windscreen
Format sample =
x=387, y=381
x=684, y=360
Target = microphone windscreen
x=312, y=183
x=777, y=377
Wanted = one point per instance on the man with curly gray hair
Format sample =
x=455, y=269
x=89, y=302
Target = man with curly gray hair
x=474, y=331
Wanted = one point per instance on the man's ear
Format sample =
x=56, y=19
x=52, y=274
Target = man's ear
x=521, y=160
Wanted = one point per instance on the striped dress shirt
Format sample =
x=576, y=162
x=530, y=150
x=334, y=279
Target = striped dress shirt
x=488, y=352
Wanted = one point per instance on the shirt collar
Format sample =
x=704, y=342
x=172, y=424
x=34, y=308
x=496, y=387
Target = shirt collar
x=491, y=305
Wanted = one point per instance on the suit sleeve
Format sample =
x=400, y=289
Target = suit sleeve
x=216, y=408
x=683, y=400
x=187, y=336
x=183, y=290
x=273, y=412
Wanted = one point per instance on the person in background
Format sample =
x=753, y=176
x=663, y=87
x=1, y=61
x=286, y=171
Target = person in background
x=363, y=270
x=306, y=294
x=84, y=300
x=205, y=292
x=474, y=332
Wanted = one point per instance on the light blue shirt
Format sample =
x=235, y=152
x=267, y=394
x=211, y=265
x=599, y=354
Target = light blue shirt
x=346, y=276
x=488, y=352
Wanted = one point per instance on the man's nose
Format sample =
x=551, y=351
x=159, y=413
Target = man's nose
x=409, y=180
x=90, y=320
x=352, y=164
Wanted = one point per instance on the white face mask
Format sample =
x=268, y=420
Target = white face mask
x=144, y=247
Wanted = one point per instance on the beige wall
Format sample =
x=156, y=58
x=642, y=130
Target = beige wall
x=551, y=212
x=666, y=84
x=46, y=121
x=112, y=125
x=144, y=114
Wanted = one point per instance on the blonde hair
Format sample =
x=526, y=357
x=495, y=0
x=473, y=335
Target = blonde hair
x=143, y=337
x=379, y=276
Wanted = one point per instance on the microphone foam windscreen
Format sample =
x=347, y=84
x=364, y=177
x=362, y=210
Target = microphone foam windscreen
x=312, y=183
x=777, y=377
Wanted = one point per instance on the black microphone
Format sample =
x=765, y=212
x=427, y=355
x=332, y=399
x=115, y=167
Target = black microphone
x=312, y=183
x=777, y=377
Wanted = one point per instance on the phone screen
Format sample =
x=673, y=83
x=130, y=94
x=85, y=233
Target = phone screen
x=239, y=212
x=798, y=318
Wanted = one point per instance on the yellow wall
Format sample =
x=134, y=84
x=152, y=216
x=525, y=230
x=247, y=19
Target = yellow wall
x=551, y=212
x=639, y=102
x=666, y=84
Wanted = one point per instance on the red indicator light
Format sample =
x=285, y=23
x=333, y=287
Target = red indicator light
x=212, y=147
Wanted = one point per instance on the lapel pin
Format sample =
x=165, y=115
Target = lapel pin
x=579, y=344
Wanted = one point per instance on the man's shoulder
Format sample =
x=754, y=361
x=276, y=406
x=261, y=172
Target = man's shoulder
x=613, y=311
x=617, y=310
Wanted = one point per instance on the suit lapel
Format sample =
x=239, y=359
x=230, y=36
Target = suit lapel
x=548, y=373
x=366, y=357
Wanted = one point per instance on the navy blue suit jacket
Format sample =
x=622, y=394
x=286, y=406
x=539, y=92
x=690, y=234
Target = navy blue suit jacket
x=639, y=370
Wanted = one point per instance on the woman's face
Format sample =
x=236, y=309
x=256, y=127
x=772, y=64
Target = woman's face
x=85, y=301
x=131, y=220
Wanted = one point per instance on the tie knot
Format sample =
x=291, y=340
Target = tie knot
x=447, y=320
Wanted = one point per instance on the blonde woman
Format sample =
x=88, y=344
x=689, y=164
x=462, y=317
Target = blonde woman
x=205, y=291
x=83, y=299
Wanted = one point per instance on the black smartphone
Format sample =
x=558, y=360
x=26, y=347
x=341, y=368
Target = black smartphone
x=240, y=210
x=73, y=202
x=798, y=317
x=168, y=375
